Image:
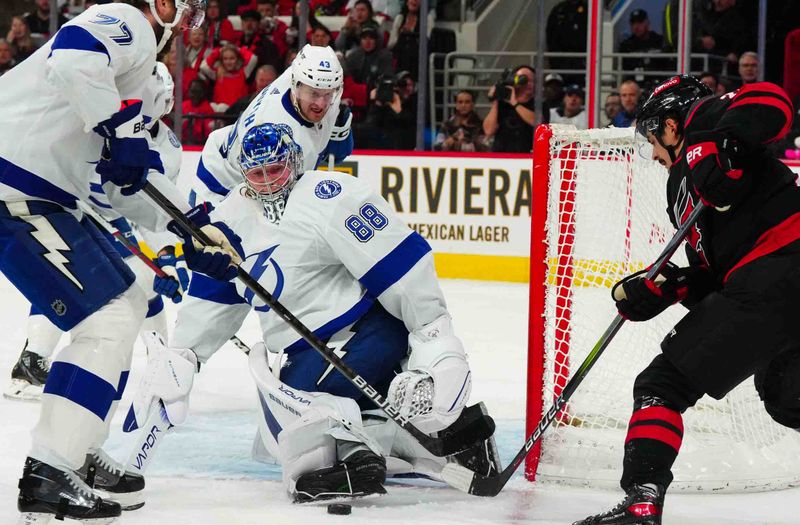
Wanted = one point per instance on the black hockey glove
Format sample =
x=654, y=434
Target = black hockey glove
x=710, y=157
x=640, y=299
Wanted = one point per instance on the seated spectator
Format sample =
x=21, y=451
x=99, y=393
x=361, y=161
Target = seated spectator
x=6, y=57
x=229, y=67
x=748, y=67
x=321, y=36
x=286, y=7
x=391, y=122
x=629, y=93
x=723, y=31
x=404, y=37
x=19, y=36
x=387, y=8
x=290, y=56
x=710, y=80
x=612, y=107
x=39, y=20
x=369, y=61
x=642, y=40
x=571, y=110
x=195, y=53
x=510, y=121
x=196, y=130
x=464, y=130
x=358, y=18
x=258, y=42
x=220, y=29
x=272, y=26
x=265, y=75
x=553, y=89
x=725, y=85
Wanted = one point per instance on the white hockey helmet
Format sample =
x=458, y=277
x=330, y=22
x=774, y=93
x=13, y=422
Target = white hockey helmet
x=188, y=12
x=164, y=96
x=317, y=68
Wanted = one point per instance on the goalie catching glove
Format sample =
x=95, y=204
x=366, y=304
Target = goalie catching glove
x=435, y=387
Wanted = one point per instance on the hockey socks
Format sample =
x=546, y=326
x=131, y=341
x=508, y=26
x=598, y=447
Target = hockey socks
x=655, y=433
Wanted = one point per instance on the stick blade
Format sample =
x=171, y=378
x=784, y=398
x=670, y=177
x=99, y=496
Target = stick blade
x=458, y=477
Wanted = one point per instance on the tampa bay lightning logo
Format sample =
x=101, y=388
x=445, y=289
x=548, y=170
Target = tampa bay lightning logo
x=125, y=38
x=173, y=139
x=327, y=189
x=268, y=273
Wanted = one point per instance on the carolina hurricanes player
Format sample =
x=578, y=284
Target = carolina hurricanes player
x=305, y=97
x=742, y=287
x=77, y=102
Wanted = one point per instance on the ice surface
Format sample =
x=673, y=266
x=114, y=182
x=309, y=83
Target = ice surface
x=203, y=474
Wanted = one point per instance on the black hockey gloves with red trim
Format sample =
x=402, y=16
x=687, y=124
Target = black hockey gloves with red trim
x=710, y=156
x=640, y=299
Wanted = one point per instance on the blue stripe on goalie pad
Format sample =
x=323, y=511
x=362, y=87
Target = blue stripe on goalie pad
x=123, y=381
x=80, y=386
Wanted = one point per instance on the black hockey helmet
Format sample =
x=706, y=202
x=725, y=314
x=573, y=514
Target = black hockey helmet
x=673, y=98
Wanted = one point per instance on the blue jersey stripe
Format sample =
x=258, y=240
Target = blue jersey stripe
x=395, y=265
x=78, y=38
x=208, y=179
x=331, y=327
x=123, y=381
x=80, y=386
x=100, y=204
x=34, y=185
x=222, y=292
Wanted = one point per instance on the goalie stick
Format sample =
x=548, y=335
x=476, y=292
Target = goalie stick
x=478, y=430
x=473, y=483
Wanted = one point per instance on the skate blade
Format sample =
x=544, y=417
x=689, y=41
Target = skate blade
x=43, y=518
x=127, y=501
x=20, y=390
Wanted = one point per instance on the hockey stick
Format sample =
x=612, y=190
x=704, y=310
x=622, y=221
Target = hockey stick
x=477, y=431
x=478, y=485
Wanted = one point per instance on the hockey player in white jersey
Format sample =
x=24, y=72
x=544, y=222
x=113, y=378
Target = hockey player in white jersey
x=30, y=371
x=306, y=97
x=77, y=102
x=339, y=258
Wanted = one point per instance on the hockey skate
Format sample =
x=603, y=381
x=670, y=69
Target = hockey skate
x=482, y=457
x=28, y=376
x=46, y=492
x=362, y=474
x=642, y=505
x=111, y=481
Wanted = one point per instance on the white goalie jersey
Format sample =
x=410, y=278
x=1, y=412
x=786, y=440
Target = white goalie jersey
x=338, y=248
x=219, y=171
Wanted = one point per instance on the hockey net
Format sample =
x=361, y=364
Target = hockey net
x=599, y=214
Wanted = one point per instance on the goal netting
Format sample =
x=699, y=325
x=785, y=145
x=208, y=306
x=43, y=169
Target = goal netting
x=599, y=214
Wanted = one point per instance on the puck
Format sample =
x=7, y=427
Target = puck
x=340, y=509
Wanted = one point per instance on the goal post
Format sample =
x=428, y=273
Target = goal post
x=599, y=214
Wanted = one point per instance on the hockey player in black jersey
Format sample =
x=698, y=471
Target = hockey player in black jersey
x=742, y=286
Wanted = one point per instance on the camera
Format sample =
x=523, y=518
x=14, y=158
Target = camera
x=508, y=81
x=385, y=89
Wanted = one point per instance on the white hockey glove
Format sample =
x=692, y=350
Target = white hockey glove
x=341, y=128
x=169, y=376
x=436, y=386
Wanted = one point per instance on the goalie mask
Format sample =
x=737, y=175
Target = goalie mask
x=189, y=14
x=164, y=92
x=673, y=99
x=317, y=79
x=271, y=161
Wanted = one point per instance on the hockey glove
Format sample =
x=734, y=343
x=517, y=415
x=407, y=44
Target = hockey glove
x=340, y=144
x=710, y=157
x=177, y=280
x=641, y=299
x=125, y=159
x=218, y=261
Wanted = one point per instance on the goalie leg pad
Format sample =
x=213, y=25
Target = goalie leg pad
x=84, y=380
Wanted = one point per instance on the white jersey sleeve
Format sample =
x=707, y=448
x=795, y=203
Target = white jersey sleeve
x=89, y=53
x=216, y=172
x=390, y=260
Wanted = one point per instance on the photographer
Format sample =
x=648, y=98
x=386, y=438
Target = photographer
x=391, y=121
x=511, y=119
x=464, y=130
x=369, y=60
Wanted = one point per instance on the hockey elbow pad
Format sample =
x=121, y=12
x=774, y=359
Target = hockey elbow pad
x=710, y=155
